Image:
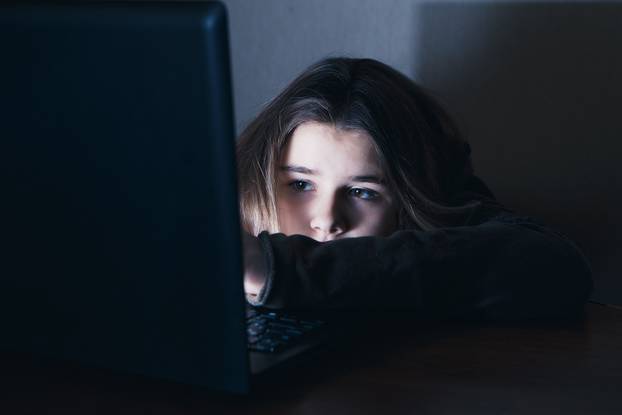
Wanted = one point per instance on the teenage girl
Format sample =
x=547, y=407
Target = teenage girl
x=357, y=192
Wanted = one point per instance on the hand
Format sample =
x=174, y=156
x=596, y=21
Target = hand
x=255, y=269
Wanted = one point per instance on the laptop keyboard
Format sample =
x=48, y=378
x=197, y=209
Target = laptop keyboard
x=271, y=332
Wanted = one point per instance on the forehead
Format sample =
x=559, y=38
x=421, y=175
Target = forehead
x=323, y=147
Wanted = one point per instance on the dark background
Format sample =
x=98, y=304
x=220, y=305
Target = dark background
x=537, y=88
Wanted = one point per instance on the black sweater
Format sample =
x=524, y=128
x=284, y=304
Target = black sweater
x=497, y=266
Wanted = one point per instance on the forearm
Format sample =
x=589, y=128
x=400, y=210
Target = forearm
x=507, y=268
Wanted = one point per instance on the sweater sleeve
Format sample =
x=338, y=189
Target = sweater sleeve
x=507, y=267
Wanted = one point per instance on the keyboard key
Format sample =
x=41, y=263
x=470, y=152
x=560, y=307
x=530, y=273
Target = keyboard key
x=253, y=339
x=250, y=312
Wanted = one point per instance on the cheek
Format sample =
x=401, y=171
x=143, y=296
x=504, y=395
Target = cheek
x=292, y=214
x=378, y=221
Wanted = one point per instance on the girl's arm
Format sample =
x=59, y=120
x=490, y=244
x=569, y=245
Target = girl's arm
x=507, y=267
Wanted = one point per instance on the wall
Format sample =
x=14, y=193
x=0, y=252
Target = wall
x=534, y=85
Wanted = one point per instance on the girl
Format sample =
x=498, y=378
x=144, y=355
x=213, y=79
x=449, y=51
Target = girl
x=357, y=191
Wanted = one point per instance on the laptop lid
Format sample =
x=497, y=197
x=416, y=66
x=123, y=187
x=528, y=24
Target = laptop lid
x=120, y=229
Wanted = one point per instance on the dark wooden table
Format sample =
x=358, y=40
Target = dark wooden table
x=544, y=368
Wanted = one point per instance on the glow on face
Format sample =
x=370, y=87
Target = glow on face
x=330, y=185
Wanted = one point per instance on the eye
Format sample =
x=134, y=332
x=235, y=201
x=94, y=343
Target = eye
x=301, y=186
x=364, y=194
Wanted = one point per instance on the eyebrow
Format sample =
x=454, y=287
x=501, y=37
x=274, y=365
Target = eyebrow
x=368, y=178
x=298, y=169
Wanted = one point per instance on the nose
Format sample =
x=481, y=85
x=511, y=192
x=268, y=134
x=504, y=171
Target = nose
x=329, y=219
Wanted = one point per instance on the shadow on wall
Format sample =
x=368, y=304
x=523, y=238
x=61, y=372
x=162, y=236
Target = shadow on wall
x=538, y=92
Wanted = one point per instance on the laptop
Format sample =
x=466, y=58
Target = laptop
x=119, y=222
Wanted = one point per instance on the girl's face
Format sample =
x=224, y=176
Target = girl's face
x=330, y=185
